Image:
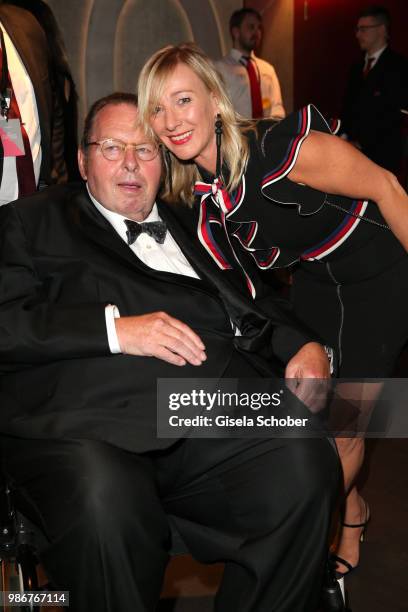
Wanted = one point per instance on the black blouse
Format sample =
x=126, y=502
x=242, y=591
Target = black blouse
x=278, y=221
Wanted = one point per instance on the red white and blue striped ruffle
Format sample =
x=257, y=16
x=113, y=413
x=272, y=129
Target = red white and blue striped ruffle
x=340, y=234
x=334, y=126
x=286, y=164
x=305, y=118
x=206, y=237
x=265, y=258
x=226, y=205
x=245, y=233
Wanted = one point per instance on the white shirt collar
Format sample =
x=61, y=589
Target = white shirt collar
x=236, y=55
x=166, y=257
x=117, y=220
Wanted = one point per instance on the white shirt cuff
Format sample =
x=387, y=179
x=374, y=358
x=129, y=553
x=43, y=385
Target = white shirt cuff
x=112, y=313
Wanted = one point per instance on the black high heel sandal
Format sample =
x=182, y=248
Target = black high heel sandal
x=337, y=559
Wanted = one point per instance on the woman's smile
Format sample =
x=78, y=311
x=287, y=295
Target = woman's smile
x=179, y=139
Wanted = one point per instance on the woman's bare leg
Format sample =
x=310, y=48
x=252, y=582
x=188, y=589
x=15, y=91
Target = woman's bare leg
x=361, y=396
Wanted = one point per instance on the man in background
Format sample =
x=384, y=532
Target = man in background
x=65, y=94
x=31, y=149
x=251, y=82
x=377, y=92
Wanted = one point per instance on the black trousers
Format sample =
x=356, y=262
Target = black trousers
x=262, y=507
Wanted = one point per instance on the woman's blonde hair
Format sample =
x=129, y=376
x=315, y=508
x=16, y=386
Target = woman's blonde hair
x=180, y=178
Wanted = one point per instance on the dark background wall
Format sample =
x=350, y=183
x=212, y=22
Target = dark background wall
x=325, y=46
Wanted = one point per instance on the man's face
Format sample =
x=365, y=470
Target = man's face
x=127, y=186
x=371, y=35
x=248, y=36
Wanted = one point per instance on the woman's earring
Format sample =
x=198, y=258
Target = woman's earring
x=218, y=134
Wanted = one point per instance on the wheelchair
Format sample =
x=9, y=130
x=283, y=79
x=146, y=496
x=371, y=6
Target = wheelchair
x=19, y=561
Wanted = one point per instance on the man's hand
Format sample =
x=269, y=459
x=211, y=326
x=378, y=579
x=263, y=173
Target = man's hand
x=159, y=335
x=306, y=374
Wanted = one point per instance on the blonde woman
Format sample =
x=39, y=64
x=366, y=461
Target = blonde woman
x=290, y=193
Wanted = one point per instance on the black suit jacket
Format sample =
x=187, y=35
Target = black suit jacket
x=61, y=263
x=372, y=108
x=30, y=41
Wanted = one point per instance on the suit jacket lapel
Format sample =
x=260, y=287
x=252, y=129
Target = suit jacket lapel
x=379, y=66
x=256, y=326
x=98, y=230
x=382, y=60
x=182, y=225
x=182, y=222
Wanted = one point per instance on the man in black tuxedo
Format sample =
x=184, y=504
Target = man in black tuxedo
x=94, y=308
x=41, y=114
x=377, y=91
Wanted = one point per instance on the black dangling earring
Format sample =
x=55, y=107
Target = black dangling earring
x=167, y=163
x=218, y=134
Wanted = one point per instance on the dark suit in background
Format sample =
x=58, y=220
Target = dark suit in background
x=30, y=41
x=63, y=85
x=372, y=108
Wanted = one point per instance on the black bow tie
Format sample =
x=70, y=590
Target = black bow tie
x=155, y=229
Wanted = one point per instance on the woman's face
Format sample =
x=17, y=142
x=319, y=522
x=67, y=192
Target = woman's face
x=184, y=118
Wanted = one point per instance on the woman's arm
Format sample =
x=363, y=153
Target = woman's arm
x=332, y=165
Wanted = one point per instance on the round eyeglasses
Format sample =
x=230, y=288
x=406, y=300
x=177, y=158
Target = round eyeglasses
x=114, y=150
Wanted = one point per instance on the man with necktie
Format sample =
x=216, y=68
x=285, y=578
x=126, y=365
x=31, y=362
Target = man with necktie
x=252, y=83
x=103, y=292
x=31, y=128
x=377, y=93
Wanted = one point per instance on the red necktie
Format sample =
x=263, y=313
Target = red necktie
x=255, y=85
x=367, y=68
x=24, y=163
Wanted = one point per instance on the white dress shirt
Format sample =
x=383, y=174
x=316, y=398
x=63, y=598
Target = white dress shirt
x=25, y=96
x=236, y=79
x=166, y=257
